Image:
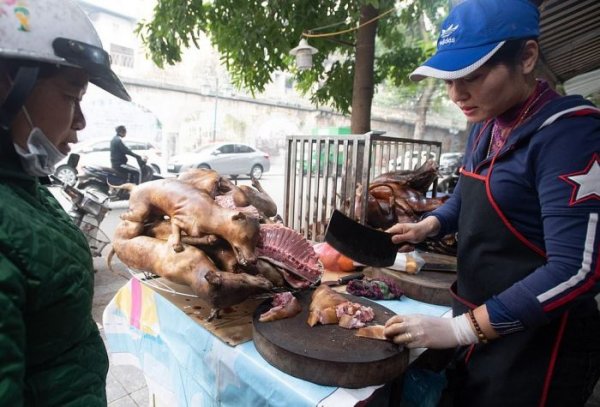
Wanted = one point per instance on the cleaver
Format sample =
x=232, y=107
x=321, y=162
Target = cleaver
x=361, y=243
x=344, y=280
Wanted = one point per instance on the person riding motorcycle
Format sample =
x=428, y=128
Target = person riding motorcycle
x=118, y=156
x=51, y=352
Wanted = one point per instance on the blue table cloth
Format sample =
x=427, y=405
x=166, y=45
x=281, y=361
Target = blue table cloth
x=185, y=365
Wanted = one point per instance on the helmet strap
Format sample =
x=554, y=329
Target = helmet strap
x=21, y=88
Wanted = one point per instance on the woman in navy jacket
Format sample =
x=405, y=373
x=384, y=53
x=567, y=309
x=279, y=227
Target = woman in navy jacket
x=526, y=209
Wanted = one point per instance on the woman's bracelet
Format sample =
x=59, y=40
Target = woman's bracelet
x=478, y=331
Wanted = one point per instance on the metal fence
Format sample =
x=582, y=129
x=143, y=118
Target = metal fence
x=324, y=173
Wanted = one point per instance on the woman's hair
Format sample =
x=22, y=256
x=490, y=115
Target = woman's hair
x=509, y=54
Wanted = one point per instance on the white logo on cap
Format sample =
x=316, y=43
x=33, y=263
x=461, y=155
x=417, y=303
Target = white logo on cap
x=445, y=38
x=449, y=31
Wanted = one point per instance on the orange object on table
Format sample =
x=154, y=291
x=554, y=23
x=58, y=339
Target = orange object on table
x=333, y=260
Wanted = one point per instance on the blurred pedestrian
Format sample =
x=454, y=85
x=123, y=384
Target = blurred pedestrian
x=118, y=156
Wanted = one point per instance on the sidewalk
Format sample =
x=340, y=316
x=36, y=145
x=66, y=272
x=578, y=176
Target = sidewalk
x=125, y=385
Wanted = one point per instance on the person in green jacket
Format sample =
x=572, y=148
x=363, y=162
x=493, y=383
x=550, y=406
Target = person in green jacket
x=51, y=353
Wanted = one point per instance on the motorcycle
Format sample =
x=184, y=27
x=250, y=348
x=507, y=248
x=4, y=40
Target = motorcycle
x=449, y=172
x=88, y=210
x=448, y=178
x=107, y=180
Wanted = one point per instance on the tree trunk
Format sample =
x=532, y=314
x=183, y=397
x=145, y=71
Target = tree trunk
x=362, y=90
x=426, y=96
x=422, y=108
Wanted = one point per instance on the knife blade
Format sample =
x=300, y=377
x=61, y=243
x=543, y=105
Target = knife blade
x=361, y=243
x=439, y=267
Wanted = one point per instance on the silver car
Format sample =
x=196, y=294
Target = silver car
x=227, y=158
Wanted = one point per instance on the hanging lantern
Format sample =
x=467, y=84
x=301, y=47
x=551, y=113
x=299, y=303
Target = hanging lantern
x=303, y=53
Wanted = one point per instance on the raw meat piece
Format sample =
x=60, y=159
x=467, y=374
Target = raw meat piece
x=285, y=305
x=322, y=306
x=353, y=315
x=372, y=332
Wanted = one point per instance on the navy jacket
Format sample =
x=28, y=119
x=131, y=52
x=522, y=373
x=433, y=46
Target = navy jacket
x=546, y=181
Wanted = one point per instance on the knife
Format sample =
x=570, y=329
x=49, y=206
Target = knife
x=343, y=280
x=439, y=267
x=361, y=243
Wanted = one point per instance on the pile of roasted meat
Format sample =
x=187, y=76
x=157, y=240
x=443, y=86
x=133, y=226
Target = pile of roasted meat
x=226, y=242
x=400, y=196
x=220, y=239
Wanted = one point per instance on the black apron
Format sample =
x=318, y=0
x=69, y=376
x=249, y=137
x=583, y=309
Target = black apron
x=514, y=370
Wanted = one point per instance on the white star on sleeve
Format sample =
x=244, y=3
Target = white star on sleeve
x=588, y=184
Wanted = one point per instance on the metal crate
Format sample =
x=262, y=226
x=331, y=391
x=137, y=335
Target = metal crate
x=97, y=239
x=322, y=174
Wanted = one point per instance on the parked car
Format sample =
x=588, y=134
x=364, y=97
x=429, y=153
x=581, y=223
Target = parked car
x=449, y=162
x=227, y=158
x=96, y=152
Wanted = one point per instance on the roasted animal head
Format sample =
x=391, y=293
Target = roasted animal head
x=246, y=237
x=227, y=289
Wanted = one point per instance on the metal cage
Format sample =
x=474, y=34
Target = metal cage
x=324, y=173
x=97, y=239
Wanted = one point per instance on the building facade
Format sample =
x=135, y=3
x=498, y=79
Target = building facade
x=193, y=103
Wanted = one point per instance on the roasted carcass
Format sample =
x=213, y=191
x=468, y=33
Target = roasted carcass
x=400, y=196
x=190, y=267
x=194, y=212
x=217, y=247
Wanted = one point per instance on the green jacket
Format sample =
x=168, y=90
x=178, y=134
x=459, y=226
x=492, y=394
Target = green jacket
x=51, y=353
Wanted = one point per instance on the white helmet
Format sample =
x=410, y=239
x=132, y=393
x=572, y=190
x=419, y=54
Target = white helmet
x=56, y=32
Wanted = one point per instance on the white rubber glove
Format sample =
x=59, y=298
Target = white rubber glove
x=423, y=331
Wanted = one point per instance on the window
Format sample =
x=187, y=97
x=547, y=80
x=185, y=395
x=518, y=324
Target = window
x=244, y=149
x=226, y=149
x=121, y=56
x=289, y=83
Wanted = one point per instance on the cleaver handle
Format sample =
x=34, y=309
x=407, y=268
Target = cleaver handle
x=349, y=277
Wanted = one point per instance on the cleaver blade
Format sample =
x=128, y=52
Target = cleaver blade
x=361, y=243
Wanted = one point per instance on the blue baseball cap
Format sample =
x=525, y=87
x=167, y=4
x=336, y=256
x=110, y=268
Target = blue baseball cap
x=473, y=32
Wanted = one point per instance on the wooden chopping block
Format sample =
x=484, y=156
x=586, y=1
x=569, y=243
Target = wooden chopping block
x=432, y=287
x=328, y=354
